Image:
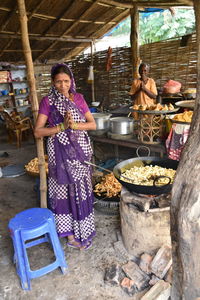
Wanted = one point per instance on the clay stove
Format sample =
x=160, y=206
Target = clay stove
x=144, y=226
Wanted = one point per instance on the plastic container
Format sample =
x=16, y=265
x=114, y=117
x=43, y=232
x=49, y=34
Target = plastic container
x=4, y=92
x=93, y=109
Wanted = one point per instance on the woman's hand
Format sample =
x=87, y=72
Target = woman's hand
x=144, y=78
x=70, y=121
x=142, y=86
x=66, y=119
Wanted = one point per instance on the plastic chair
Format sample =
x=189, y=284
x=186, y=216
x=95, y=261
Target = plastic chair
x=28, y=225
x=16, y=126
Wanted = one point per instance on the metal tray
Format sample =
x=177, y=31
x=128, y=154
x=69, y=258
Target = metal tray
x=180, y=122
x=155, y=112
x=186, y=104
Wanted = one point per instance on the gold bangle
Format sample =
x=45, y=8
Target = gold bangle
x=58, y=128
x=62, y=126
x=75, y=126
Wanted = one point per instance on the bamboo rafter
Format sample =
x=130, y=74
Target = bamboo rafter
x=5, y=47
x=54, y=23
x=98, y=33
x=48, y=17
x=38, y=5
x=117, y=4
x=151, y=3
x=35, y=50
x=70, y=28
x=14, y=35
x=8, y=17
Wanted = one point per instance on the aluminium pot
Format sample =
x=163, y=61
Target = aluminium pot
x=143, y=161
x=189, y=96
x=102, y=121
x=121, y=125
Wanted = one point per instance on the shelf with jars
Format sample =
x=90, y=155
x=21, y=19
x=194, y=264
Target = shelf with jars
x=14, y=89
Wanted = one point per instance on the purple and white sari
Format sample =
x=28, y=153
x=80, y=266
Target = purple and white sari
x=69, y=182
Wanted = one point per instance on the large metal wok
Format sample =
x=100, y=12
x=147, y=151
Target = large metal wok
x=143, y=161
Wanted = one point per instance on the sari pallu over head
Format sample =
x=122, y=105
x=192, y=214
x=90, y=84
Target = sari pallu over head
x=71, y=147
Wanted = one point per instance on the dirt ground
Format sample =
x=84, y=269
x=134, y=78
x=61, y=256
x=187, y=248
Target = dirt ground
x=86, y=269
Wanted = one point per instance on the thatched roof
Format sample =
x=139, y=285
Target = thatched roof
x=61, y=29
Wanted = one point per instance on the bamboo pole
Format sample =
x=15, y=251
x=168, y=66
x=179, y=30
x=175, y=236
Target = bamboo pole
x=134, y=40
x=92, y=64
x=34, y=100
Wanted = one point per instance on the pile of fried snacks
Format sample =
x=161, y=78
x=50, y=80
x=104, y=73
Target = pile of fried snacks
x=156, y=107
x=109, y=186
x=186, y=116
x=32, y=166
x=146, y=175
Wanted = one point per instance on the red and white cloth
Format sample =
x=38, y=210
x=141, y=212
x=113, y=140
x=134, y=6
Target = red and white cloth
x=176, y=140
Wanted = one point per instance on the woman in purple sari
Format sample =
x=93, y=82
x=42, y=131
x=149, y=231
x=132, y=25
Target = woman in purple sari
x=68, y=147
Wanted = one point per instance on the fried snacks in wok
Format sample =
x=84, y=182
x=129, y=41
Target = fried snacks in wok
x=109, y=186
x=147, y=174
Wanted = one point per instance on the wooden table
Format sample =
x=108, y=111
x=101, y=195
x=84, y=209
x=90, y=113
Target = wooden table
x=132, y=143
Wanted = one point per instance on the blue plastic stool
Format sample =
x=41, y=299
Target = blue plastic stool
x=31, y=224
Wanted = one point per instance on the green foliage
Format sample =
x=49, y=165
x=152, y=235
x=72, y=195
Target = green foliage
x=160, y=25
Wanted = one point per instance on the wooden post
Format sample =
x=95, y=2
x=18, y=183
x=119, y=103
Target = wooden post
x=34, y=100
x=185, y=207
x=134, y=40
x=92, y=64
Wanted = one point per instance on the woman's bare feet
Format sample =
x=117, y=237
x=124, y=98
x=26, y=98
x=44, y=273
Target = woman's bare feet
x=87, y=246
x=72, y=242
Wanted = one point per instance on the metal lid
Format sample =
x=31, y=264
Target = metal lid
x=121, y=119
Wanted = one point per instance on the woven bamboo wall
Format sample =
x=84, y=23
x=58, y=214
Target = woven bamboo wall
x=168, y=60
x=43, y=79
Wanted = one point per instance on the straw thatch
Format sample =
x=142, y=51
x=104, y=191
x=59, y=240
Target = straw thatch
x=62, y=29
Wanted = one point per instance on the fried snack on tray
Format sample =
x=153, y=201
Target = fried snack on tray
x=186, y=116
x=155, y=107
x=109, y=186
x=170, y=106
x=146, y=175
x=136, y=107
x=33, y=167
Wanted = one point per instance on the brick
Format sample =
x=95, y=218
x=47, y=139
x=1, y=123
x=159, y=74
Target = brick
x=133, y=271
x=128, y=286
x=160, y=291
x=145, y=261
x=162, y=261
x=114, y=275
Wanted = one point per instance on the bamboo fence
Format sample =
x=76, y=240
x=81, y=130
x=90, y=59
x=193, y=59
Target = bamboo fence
x=170, y=59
